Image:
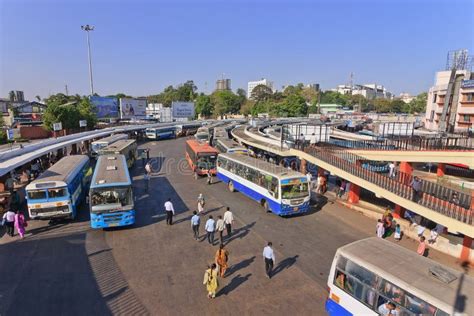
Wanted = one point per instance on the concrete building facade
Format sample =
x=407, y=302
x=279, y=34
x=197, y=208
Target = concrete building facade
x=252, y=84
x=461, y=104
x=369, y=91
x=223, y=85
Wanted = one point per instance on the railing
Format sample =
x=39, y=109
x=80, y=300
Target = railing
x=448, y=143
x=432, y=195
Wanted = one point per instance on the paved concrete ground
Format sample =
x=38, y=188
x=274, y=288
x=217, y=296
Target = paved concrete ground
x=152, y=268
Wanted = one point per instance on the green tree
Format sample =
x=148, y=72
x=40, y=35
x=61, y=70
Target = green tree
x=186, y=92
x=397, y=106
x=203, y=105
x=69, y=115
x=86, y=112
x=247, y=107
x=382, y=105
x=261, y=93
x=418, y=104
x=225, y=102
x=294, y=105
x=334, y=97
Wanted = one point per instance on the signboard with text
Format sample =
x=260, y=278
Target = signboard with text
x=466, y=84
x=57, y=126
x=182, y=109
x=132, y=108
x=83, y=123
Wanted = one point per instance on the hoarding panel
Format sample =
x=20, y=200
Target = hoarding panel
x=105, y=107
x=132, y=108
x=182, y=109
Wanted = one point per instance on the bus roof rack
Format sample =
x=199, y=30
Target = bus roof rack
x=442, y=274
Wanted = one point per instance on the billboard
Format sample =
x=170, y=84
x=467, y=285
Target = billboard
x=182, y=109
x=105, y=107
x=132, y=108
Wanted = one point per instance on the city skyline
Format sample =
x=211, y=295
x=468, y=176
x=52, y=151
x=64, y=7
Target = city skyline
x=167, y=43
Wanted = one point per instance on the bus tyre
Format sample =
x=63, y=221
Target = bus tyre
x=231, y=186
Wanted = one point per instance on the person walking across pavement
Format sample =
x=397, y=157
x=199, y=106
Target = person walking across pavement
x=201, y=202
x=220, y=226
x=169, y=212
x=20, y=223
x=9, y=222
x=228, y=221
x=380, y=229
x=269, y=257
x=391, y=168
x=210, y=281
x=222, y=257
x=195, y=221
x=210, y=228
x=421, y=246
x=209, y=177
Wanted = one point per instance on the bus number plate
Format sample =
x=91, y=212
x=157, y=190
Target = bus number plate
x=295, y=209
x=113, y=224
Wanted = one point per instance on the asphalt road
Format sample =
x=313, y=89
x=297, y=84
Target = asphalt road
x=152, y=268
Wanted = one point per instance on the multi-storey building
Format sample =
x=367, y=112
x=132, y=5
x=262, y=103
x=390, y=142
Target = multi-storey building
x=252, y=84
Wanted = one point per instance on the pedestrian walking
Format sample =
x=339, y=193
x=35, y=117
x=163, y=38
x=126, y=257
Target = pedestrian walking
x=143, y=157
x=146, y=178
x=8, y=221
x=398, y=233
x=209, y=177
x=312, y=140
x=391, y=168
x=380, y=229
x=195, y=221
x=220, y=226
x=169, y=212
x=421, y=246
x=228, y=221
x=201, y=202
x=20, y=223
x=222, y=257
x=269, y=257
x=210, y=281
x=210, y=228
x=319, y=184
x=342, y=189
x=416, y=187
x=148, y=168
x=309, y=177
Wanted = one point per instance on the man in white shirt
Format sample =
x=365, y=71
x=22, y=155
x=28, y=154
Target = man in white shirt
x=169, y=212
x=210, y=227
x=220, y=228
x=228, y=221
x=9, y=218
x=269, y=257
x=391, y=168
x=387, y=309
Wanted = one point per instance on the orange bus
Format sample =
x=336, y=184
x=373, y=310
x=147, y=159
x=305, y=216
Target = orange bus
x=201, y=157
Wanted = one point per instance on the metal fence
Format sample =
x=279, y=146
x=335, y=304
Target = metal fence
x=432, y=196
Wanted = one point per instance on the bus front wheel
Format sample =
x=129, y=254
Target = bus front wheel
x=231, y=186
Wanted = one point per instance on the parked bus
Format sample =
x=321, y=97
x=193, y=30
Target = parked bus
x=161, y=132
x=111, y=195
x=187, y=129
x=367, y=274
x=201, y=157
x=203, y=134
x=277, y=189
x=126, y=147
x=104, y=142
x=230, y=146
x=59, y=191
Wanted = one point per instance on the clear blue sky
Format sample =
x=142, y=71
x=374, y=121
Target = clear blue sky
x=140, y=47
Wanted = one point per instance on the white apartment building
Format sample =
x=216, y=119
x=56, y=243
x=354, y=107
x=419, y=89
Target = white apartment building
x=406, y=97
x=252, y=84
x=461, y=102
x=369, y=91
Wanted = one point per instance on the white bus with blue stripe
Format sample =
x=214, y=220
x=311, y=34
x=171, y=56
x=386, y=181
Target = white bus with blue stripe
x=59, y=191
x=278, y=190
x=374, y=276
x=230, y=146
x=156, y=133
x=111, y=195
x=97, y=145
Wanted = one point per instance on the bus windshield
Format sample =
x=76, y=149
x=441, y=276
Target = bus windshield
x=57, y=192
x=293, y=191
x=37, y=194
x=206, y=161
x=112, y=196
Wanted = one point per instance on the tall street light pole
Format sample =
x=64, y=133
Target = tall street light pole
x=89, y=28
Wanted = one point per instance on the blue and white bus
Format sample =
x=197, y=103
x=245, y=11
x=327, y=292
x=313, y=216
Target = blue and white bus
x=278, y=190
x=59, y=191
x=372, y=276
x=111, y=195
x=161, y=132
x=97, y=145
x=126, y=147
